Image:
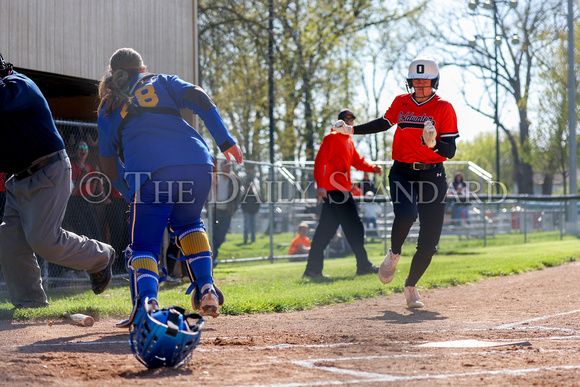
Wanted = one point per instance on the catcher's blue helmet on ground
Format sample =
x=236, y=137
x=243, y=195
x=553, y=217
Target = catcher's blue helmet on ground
x=164, y=338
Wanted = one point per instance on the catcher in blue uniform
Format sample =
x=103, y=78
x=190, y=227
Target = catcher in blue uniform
x=163, y=167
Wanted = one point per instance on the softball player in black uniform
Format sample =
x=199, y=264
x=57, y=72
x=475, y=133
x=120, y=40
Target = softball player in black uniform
x=425, y=138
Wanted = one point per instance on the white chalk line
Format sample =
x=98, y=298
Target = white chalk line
x=511, y=325
x=374, y=378
x=371, y=377
x=278, y=346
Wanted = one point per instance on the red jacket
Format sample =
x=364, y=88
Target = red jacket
x=335, y=157
x=2, y=178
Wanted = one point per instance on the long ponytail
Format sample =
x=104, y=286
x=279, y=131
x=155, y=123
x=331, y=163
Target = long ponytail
x=124, y=65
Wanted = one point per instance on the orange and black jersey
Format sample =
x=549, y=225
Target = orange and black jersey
x=409, y=116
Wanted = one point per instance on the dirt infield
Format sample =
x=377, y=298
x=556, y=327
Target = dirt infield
x=510, y=331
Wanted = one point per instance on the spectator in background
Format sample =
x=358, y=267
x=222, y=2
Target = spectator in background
x=338, y=246
x=301, y=243
x=115, y=213
x=2, y=203
x=367, y=185
x=459, y=207
x=228, y=197
x=370, y=211
x=80, y=214
x=250, y=207
x=71, y=136
x=2, y=194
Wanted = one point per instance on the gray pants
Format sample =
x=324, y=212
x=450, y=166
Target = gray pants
x=35, y=208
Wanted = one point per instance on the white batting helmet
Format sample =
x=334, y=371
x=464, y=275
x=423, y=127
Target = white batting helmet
x=423, y=68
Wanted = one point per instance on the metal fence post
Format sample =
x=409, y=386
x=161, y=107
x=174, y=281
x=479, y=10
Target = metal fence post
x=484, y=227
x=271, y=206
x=386, y=225
x=561, y=220
x=525, y=222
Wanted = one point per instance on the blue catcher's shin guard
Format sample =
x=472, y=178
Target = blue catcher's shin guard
x=206, y=297
x=144, y=283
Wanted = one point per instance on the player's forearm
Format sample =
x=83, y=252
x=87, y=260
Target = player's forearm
x=446, y=147
x=374, y=126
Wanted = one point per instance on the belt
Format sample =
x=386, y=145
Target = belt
x=31, y=170
x=418, y=166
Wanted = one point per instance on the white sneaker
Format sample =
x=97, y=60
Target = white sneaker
x=412, y=296
x=208, y=303
x=387, y=269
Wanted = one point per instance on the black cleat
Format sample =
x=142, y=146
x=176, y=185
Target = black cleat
x=369, y=270
x=100, y=280
x=310, y=274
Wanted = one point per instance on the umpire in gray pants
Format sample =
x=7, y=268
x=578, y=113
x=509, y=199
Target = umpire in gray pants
x=37, y=193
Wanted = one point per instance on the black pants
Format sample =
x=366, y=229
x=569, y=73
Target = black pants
x=222, y=220
x=417, y=193
x=339, y=208
x=117, y=216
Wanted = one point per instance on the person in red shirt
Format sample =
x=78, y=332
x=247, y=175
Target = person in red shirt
x=2, y=194
x=80, y=215
x=301, y=243
x=336, y=156
x=425, y=138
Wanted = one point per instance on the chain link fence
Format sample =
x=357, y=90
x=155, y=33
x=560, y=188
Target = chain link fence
x=288, y=200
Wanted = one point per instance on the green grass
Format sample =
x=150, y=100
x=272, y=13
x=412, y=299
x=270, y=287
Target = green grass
x=263, y=287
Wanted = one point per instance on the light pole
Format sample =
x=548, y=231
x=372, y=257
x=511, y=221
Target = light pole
x=492, y=5
x=573, y=209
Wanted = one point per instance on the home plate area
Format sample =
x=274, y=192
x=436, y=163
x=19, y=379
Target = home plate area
x=519, y=330
x=538, y=351
x=519, y=354
x=468, y=335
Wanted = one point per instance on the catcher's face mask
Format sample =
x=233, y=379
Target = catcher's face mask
x=165, y=338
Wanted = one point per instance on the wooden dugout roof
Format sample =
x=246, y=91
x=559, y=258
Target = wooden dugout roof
x=65, y=45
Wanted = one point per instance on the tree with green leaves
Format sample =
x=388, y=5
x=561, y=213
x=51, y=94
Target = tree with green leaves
x=550, y=141
x=468, y=37
x=481, y=151
x=315, y=72
x=232, y=36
